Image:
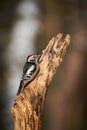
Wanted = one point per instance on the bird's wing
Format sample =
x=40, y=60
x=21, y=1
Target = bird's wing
x=26, y=67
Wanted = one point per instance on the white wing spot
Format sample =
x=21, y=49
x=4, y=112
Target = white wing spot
x=30, y=70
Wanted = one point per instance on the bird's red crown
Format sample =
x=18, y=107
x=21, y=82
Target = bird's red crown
x=30, y=55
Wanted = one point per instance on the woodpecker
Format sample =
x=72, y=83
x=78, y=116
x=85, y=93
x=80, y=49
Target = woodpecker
x=30, y=70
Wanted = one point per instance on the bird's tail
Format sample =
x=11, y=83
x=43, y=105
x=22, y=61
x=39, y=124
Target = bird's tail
x=21, y=86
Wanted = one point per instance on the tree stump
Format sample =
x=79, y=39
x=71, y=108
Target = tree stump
x=28, y=106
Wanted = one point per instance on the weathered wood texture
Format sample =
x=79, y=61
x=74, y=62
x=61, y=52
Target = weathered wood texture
x=28, y=105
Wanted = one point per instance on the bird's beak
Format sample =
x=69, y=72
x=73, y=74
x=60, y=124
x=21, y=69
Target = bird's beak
x=38, y=57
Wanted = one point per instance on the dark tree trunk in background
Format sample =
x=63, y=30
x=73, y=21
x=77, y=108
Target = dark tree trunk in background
x=72, y=100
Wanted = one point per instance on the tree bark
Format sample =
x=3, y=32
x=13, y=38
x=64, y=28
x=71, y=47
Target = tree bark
x=27, y=110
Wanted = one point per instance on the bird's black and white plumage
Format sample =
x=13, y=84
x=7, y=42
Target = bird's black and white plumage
x=30, y=70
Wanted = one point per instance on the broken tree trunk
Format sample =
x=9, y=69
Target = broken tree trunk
x=28, y=105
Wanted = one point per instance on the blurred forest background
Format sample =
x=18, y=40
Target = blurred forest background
x=25, y=27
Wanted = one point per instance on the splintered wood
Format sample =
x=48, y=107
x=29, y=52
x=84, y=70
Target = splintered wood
x=28, y=105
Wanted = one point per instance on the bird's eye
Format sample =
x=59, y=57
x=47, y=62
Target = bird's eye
x=31, y=59
x=30, y=56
